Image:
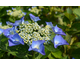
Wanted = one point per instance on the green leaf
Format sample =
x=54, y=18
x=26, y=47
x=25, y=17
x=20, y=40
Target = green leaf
x=69, y=10
x=11, y=19
x=70, y=16
x=63, y=27
x=52, y=36
x=77, y=44
x=76, y=26
x=50, y=47
x=57, y=54
x=50, y=56
x=68, y=38
x=1, y=53
x=46, y=54
x=1, y=7
x=39, y=56
x=66, y=20
x=64, y=57
x=76, y=11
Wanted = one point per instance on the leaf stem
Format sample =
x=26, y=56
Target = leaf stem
x=33, y=56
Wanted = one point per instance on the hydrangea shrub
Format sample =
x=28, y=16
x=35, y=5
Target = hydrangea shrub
x=27, y=38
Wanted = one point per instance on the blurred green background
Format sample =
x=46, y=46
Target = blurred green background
x=65, y=17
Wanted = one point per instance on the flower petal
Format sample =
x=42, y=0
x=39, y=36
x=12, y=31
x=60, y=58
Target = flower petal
x=35, y=19
x=1, y=31
x=11, y=43
x=50, y=24
x=57, y=30
x=9, y=23
x=16, y=39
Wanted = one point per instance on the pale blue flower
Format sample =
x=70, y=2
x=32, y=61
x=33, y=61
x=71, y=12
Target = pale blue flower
x=15, y=40
x=58, y=30
x=37, y=46
x=50, y=24
x=58, y=40
x=35, y=19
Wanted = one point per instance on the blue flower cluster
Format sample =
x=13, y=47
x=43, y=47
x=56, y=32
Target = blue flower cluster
x=38, y=46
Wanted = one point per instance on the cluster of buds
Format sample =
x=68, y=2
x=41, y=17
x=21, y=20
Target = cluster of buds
x=16, y=13
x=34, y=9
x=33, y=34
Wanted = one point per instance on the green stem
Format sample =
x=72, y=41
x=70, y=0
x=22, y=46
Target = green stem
x=33, y=56
x=64, y=49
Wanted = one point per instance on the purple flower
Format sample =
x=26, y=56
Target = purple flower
x=58, y=40
x=1, y=31
x=35, y=19
x=15, y=40
x=9, y=31
x=37, y=46
x=50, y=24
x=17, y=23
x=57, y=30
x=9, y=23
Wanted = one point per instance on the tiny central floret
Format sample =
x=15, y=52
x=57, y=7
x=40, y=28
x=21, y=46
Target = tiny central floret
x=16, y=39
x=56, y=42
x=11, y=32
x=36, y=46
